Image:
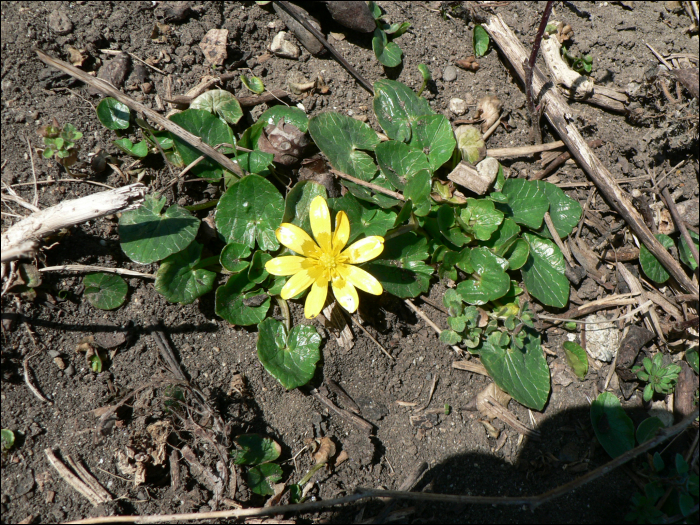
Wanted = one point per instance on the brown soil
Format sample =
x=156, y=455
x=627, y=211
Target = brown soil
x=462, y=458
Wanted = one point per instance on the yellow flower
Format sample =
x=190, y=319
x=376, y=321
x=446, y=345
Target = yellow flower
x=317, y=264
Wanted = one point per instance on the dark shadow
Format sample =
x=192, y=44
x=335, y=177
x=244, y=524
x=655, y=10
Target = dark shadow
x=567, y=450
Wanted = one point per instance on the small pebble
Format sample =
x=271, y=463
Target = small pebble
x=59, y=22
x=449, y=74
x=458, y=106
x=69, y=371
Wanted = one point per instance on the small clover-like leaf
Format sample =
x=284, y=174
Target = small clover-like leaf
x=113, y=114
x=577, y=359
x=396, y=107
x=490, y=280
x=221, y=103
x=147, y=235
x=105, y=291
x=289, y=359
x=137, y=150
x=232, y=256
x=388, y=53
x=179, y=279
x=261, y=478
x=650, y=264
x=254, y=449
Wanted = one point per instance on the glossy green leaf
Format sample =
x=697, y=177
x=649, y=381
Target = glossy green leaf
x=250, y=210
x=232, y=256
x=648, y=429
x=577, y=359
x=262, y=478
x=449, y=227
x=543, y=273
x=375, y=10
x=564, y=211
x=231, y=298
x=147, y=235
x=388, y=53
x=254, y=84
x=418, y=191
x=685, y=253
x=254, y=449
x=220, y=103
x=613, y=428
x=105, y=291
x=211, y=129
x=481, y=218
x=432, y=135
x=396, y=107
x=289, y=359
x=489, y=281
x=298, y=201
x=527, y=202
x=113, y=114
x=523, y=374
x=257, y=272
x=481, y=41
x=137, y=150
x=399, y=162
x=400, y=268
x=378, y=198
x=517, y=254
x=504, y=236
x=365, y=219
x=397, y=29
x=179, y=279
x=650, y=264
x=341, y=138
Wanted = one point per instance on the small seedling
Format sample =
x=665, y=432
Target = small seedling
x=388, y=53
x=661, y=379
x=427, y=77
x=582, y=65
x=60, y=142
x=8, y=439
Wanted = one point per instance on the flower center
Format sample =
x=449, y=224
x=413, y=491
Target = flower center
x=328, y=261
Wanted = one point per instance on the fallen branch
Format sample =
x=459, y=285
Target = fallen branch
x=108, y=89
x=22, y=239
x=560, y=116
x=81, y=480
x=373, y=187
x=89, y=268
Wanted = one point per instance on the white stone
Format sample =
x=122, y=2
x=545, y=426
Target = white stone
x=284, y=48
x=602, y=338
x=458, y=106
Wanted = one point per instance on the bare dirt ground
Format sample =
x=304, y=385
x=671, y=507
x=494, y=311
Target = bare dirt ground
x=462, y=458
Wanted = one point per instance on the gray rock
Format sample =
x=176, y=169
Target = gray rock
x=449, y=74
x=59, y=22
x=304, y=37
x=284, y=48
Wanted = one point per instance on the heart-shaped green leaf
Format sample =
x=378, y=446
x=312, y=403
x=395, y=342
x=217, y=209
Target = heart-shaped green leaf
x=298, y=201
x=211, y=130
x=577, y=359
x=254, y=449
x=230, y=301
x=137, y=150
x=504, y=236
x=481, y=218
x=388, y=53
x=489, y=279
x=685, y=253
x=418, y=191
x=517, y=254
x=365, y=219
x=648, y=429
x=113, y=114
x=650, y=264
x=400, y=268
x=147, y=235
x=220, y=103
x=399, y=162
x=179, y=279
x=291, y=360
x=527, y=202
x=340, y=138
x=523, y=373
x=481, y=41
x=250, y=210
x=105, y=291
x=232, y=256
x=564, y=211
x=257, y=272
x=543, y=273
x=262, y=478
x=396, y=107
x=449, y=228
x=254, y=84
x=613, y=428
x=432, y=134
x=255, y=162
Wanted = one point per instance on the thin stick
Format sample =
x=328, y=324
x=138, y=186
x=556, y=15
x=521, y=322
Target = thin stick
x=359, y=325
x=374, y=187
x=560, y=160
x=35, y=200
x=671, y=205
x=361, y=493
x=523, y=151
x=309, y=27
x=169, y=125
x=493, y=127
x=530, y=68
x=89, y=268
x=557, y=240
x=641, y=307
x=28, y=380
x=660, y=58
x=425, y=318
x=52, y=181
x=346, y=414
x=72, y=479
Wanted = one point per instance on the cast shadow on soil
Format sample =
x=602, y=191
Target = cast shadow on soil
x=567, y=441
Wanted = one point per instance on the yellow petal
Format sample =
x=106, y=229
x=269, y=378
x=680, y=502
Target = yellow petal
x=320, y=219
x=298, y=283
x=342, y=232
x=364, y=250
x=297, y=240
x=360, y=278
x=316, y=298
x=286, y=265
x=345, y=294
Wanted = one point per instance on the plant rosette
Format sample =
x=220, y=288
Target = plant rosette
x=325, y=260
